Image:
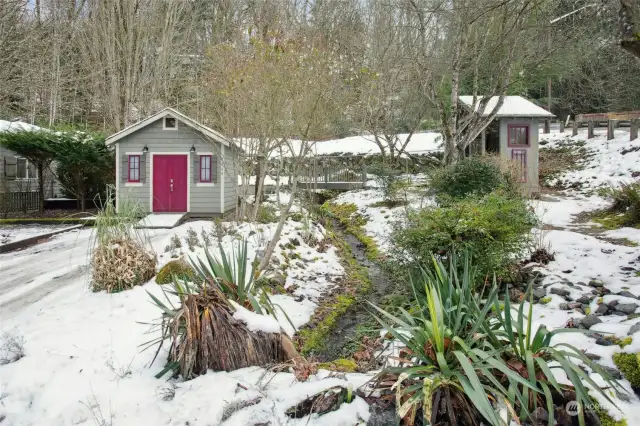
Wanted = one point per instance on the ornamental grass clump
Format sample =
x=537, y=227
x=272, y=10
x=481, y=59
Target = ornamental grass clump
x=467, y=362
x=122, y=256
x=200, y=323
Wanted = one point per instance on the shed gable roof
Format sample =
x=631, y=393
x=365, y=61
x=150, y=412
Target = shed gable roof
x=218, y=137
x=513, y=106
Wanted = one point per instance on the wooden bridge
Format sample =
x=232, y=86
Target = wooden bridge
x=334, y=173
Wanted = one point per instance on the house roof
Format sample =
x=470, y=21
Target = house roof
x=513, y=106
x=218, y=137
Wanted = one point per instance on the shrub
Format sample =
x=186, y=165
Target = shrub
x=625, y=199
x=175, y=269
x=447, y=365
x=472, y=176
x=495, y=227
x=266, y=214
x=11, y=348
x=120, y=259
x=202, y=330
x=390, y=182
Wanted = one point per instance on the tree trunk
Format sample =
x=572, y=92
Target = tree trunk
x=41, y=187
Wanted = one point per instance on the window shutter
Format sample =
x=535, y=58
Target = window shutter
x=214, y=169
x=196, y=169
x=10, y=167
x=143, y=168
x=125, y=168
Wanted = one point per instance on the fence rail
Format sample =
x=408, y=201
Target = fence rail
x=612, y=119
x=19, y=201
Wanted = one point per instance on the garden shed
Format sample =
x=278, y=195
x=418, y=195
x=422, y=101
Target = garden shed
x=170, y=163
x=513, y=134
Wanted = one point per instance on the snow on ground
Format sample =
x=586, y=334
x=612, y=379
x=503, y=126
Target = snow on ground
x=14, y=233
x=610, y=162
x=84, y=362
x=17, y=126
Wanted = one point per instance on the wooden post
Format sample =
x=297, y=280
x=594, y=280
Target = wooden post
x=590, y=130
x=547, y=126
x=575, y=126
x=561, y=126
x=611, y=125
x=633, y=130
x=364, y=173
x=483, y=142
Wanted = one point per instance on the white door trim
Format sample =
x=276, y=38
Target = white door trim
x=222, y=177
x=186, y=154
x=118, y=177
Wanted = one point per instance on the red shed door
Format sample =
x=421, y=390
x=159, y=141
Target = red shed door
x=170, y=174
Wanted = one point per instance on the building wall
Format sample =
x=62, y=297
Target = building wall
x=203, y=199
x=506, y=152
x=52, y=187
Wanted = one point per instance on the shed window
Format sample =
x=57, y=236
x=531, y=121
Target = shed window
x=25, y=170
x=170, y=123
x=134, y=168
x=205, y=168
x=518, y=135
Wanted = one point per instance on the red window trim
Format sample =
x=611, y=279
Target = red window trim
x=522, y=153
x=210, y=157
x=518, y=126
x=129, y=169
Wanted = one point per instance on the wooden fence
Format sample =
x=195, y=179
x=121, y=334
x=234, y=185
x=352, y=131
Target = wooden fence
x=334, y=170
x=612, y=119
x=19, y=201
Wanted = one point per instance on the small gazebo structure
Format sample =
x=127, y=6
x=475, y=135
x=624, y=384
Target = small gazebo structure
x=513, y=134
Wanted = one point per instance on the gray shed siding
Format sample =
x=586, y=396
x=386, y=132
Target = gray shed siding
x=203, y=198
x=231, y=179
x=532, y=152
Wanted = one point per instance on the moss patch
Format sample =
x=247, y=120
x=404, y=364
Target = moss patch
x=356, y=282
x=176, y=268
x=607, y=420
x=545, y=300
x=343, y=365
x=629, y=366
x=353, y=222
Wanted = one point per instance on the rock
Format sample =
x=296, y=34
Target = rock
x=607, y=251
x=635, y=174
x=604, y=342
x=627, y=308
x=592, y=357
x=562, y=418
x=590, y=320
x=299, y=298
x=581, y=283
x=539, y=293
x=618, y=313
x=564, y=307
x=602, y=309
x=612, y=371
x=591, y=418
x=586, y=299
x=560, y=291
x=575, y=305
x=596, y=283
x=626, y=293
x=627, y=268
x=539, y=417
x=568, y=271
x=634, y=328
x=613, y=304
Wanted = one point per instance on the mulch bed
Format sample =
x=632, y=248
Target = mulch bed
x=50, y=214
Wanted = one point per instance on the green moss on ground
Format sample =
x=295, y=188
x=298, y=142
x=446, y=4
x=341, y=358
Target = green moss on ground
x=357, y=282
x=607, y=420
x=545, y=300
x=176, y=268
x=629, y=366
x=343, y=365
x=353, y=222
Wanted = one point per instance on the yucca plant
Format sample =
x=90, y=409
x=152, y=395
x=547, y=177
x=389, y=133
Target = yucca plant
x=530, y=352
x=201, y=328
x=453, y=372
x=466, y=353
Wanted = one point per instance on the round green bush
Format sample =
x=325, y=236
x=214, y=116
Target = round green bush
x=176, y=268
x=472, y=176
x=495, y=228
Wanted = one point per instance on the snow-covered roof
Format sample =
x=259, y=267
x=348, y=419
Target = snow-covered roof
x=17, y=126
x=513, y=106
x=172, y=113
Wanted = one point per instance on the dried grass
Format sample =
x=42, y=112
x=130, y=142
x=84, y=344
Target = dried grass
x=121, y=264
x=204, y=335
